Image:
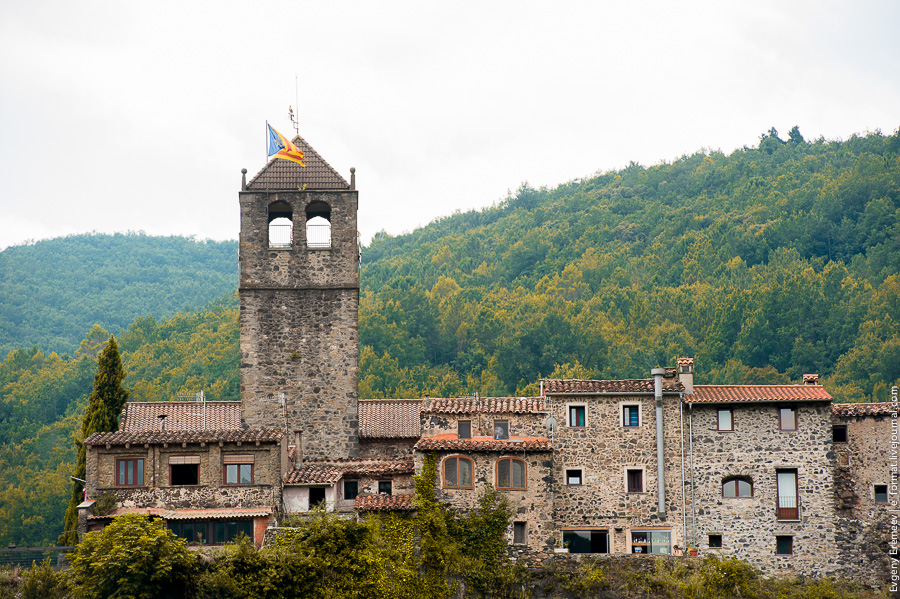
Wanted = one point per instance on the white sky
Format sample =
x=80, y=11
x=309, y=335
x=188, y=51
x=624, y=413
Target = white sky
x=118, y=116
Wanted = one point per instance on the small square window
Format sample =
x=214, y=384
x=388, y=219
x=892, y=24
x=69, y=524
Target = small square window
x=715, y=541
x=238, y=474
x=501, y=429
x=351, y=489
x=726, y=419
x=130, y=472
x=635, y=481
x=184, y=474
x=631, y=416
x=784, y=545
x=316, y=496
x=464, y=429
x=573, y=477
x=519, y=537
x=881, y=493
x=839, y=433
x=576, y=416
x=787, y=419
x=384, y=487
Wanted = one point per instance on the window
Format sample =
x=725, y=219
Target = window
x=631, y=415
x=715, y=541
x=881, y=493
x=651, y=541
x=501, y=429
x=737, y=487
x=318, y=225
x=281, y=226
x=574, y=477
x=458, y=473
x=238, y=469
x=384, y=487
x=576, y=416
x=184, y=474
x=464, y=429
x=839, y=433
x=586, y=541
x=316, y=496
x=787, y=419
x=726, y=419
x=130, y=472
x=788, y=500
x=519, y=537
x=351, y=489
x=510, y=474
x=784, y=545
x=217, y=532
x=635, y=481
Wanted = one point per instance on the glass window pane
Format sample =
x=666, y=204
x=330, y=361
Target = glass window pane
x=121, y=472
x=744, y=489
x=246, y=473
x=140, y=473
x=729, y=489
x=725, y=420
x=518, y=470
x=465, y=473
x=503, y=474
x=220, y=533
x=659, y=542
x=788, y=419
x=351, y=489
x=231, y=474
x=246, y=527
x=578, y=541
x=450, y=477
x=464, y=429
x=501, y=429
x=130, y=478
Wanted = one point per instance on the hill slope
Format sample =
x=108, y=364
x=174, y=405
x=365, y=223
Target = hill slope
x=53, y=291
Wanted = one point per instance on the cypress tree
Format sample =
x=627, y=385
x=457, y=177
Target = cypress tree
x=102, y=415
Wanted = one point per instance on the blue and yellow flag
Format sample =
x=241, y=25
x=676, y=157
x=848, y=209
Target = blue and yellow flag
x=282, y=147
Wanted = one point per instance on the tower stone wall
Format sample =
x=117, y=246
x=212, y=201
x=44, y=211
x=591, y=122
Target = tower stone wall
x=299, y=320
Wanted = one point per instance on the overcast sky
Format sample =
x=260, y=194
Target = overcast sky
x=118, y=116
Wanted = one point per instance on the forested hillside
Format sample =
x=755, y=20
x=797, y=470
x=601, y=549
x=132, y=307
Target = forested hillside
x=763, y=264
x=52, y=291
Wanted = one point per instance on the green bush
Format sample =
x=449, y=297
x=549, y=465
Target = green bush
x=43, y=582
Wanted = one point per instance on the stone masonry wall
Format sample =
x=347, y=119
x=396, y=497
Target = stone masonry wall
x=603, y=450
x=386, y=448
x=863, y=526
x=755, y=449
x=520, y=424
x=299, y=324
x=156, y=492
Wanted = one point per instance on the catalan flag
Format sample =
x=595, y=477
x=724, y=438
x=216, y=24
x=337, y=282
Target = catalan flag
x=282, y=147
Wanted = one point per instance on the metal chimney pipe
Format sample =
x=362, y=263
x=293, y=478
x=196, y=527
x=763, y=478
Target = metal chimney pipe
x=660, y=466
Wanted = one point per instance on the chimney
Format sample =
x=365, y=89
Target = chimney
x=686, y=373
x=298, y=449
x=658, y=374
x=810, y=379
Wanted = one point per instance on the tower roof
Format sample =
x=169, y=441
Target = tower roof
x=281, y=174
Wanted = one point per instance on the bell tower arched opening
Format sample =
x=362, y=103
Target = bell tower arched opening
x=281, y=225
x=318, y=225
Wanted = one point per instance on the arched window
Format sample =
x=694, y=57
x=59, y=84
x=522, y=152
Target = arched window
x=510, y=474
x=318, y=225
x=281, y=225
x=458, y=473
x=737, y=487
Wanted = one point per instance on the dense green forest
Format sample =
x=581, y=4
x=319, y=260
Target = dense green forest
x=52, y=291
x=764, y=264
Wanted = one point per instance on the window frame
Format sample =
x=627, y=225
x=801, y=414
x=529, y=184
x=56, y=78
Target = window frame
x=737, y=479
x=628, y=405
x=787, y=513
x=719, y=427
x=793, y=410
x=628, y=476
x=520, y=533
x=717, y=538
x=840, y=427
x=511, y=460
x=238, y=460
x=119, y=473
x=503, y=434
x=580, y=472
x=344, y=490
x=573, y=407
x=603, y=537
x=876, y=493
x=444, y=472
x=649, y=543
x=390, y=487
x=459, y=433
x=779, y=539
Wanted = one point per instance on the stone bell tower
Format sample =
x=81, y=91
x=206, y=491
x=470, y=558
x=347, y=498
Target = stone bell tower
x=299, y=295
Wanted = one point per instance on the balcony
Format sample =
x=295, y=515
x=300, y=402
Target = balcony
x=788, y=508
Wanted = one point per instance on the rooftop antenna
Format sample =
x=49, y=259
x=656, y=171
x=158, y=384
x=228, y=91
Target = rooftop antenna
x=295, y=120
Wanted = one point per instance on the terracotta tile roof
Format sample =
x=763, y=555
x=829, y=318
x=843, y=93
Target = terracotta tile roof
x=210, y=514
x=330, y=472
x=385, y=503
x=389, y=418
x=180, y=415
x=480, y=444
x=250, y=435
x=492, y=405
x=756, y=393
x=565, y=386
x=284, y=174
x=862, y=409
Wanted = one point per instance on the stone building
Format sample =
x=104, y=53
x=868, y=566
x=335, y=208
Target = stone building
x=774, y=474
